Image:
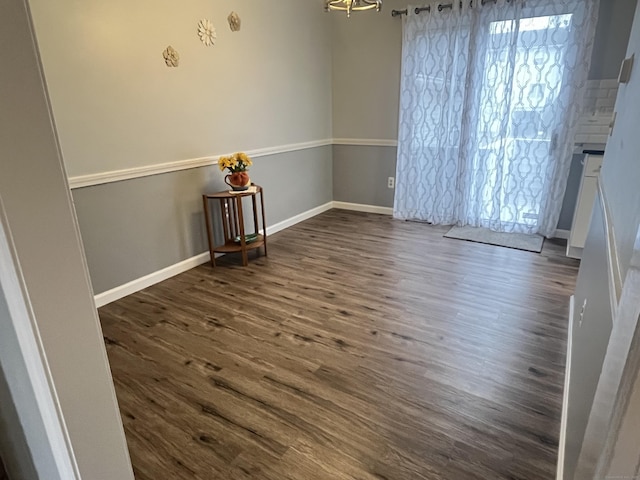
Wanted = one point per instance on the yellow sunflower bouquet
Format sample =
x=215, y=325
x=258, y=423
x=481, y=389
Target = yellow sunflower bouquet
x=238, y=162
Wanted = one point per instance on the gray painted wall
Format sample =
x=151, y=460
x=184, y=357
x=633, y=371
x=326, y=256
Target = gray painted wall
x=571, y=194
x=612, y=35
x=136, y=227
x=590, y=337
x=621, y=168
x=360, y=174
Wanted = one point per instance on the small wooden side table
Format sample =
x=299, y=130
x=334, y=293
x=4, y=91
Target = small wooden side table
x=233, y=223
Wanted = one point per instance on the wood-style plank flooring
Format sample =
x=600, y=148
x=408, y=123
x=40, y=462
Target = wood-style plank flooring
x=361, y=348
x=3, y=473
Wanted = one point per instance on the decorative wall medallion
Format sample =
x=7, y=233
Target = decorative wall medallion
x=234, y=22
x=207, y=32
x=171, y=56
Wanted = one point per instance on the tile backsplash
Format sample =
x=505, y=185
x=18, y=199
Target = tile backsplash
x=599, y=102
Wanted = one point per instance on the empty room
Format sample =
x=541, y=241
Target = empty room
x=319, y=239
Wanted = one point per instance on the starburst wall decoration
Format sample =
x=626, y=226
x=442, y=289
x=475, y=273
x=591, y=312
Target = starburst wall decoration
x=207, y=32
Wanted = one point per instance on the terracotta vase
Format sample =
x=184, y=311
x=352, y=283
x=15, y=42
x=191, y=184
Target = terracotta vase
x=238, y=181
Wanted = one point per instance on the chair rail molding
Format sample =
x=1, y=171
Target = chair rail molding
x=111, y=176
x=91, y=179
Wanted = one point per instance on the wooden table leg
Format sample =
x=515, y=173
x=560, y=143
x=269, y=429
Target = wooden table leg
x=243, y=240
x=256, y=225
x=207, y=216
x=264, y=222
x=256, y=228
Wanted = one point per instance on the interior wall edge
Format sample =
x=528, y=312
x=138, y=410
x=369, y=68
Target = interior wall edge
x=565, y=394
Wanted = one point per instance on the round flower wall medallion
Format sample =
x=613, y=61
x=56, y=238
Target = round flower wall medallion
x=207, y=32
x=171, y=56
x=234, y=22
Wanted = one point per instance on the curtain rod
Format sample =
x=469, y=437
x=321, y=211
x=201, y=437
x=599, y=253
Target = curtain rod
x=441, y=7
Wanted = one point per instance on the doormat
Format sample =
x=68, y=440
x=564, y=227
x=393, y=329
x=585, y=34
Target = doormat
x=519, y=241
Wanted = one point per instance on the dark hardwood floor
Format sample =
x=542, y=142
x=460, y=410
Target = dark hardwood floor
x=361, y=348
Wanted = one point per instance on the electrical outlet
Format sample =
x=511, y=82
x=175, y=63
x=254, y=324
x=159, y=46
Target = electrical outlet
x=625, y=70
x=391, y=182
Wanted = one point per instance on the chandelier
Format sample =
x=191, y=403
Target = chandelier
x=352, y=5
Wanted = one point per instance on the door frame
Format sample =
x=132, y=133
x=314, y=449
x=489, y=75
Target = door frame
x=30, y=355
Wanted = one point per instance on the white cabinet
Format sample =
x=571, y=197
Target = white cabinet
x=584, y=206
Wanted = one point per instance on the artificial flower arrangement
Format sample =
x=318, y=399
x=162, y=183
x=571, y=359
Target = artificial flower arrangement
x=237, y=164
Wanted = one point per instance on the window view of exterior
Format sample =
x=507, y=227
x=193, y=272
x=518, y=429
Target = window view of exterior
x=517, y=134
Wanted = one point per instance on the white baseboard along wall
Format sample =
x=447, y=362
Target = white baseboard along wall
x=141, y=283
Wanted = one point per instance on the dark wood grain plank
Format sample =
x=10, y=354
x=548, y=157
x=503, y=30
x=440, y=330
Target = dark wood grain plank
x=3, y=474
x=361, y=348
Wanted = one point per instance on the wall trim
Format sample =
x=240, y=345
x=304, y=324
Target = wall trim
x=301, y=217
x=141, y=283
x=561, y=233
x=360, y=207
x=89, y=180
x=613, y=259
x=366, y=142
x=81, y=181
x=565, y=394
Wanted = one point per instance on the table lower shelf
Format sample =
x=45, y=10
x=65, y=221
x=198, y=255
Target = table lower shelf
x=231, y=246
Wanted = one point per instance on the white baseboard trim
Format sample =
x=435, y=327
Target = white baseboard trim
x=141, y=283
x=560, y=233
x=565, y=396
x=359, y=207
x=134, y=286
x=301, y=217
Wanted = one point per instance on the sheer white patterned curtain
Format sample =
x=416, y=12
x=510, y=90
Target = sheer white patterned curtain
x=490, y=97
